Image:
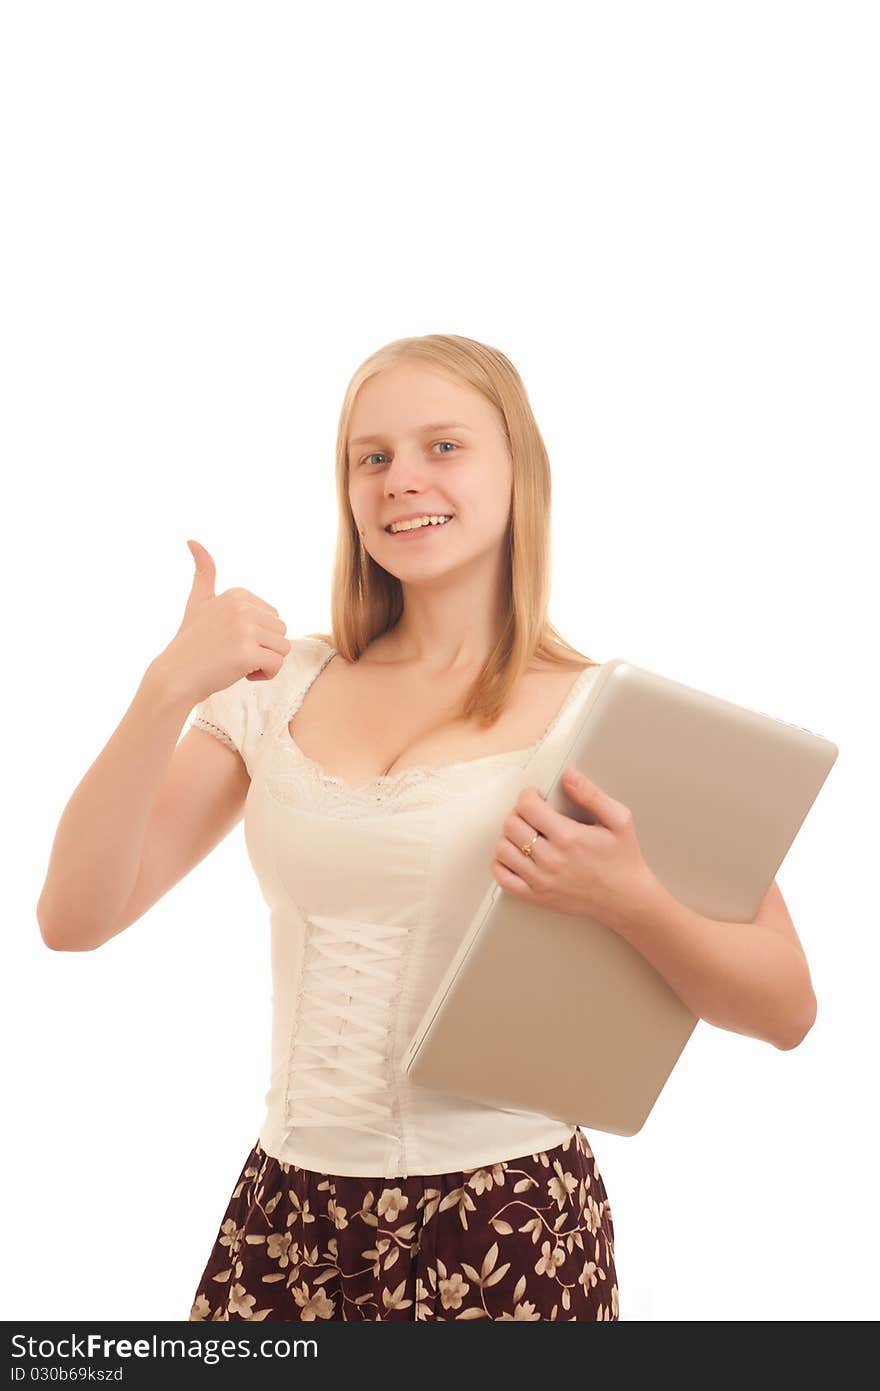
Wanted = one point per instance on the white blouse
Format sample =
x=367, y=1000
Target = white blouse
x=370, y=888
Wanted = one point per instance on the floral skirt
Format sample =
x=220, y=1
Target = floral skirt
x=528, y=1238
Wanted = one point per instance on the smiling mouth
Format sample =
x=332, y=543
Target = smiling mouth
x=426, y=526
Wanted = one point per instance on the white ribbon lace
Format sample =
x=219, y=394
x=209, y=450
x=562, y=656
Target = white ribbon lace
x=343, y=1035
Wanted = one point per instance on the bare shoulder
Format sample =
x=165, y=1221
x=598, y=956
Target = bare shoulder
x=543, y=690
x=552, y=675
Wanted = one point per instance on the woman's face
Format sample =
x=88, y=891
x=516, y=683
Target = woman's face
x=420, y=443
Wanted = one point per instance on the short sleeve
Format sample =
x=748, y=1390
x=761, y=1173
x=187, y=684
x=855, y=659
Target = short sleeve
x=237, y=716
x=240, y=715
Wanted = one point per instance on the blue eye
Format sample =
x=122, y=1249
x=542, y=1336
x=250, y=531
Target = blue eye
x=379, y=453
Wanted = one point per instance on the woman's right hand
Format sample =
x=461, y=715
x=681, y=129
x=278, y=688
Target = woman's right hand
x=223, y=637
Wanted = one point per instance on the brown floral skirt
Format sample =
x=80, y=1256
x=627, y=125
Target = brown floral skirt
x=528, y=1238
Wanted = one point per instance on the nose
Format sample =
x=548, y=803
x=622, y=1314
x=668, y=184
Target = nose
x=403, y=474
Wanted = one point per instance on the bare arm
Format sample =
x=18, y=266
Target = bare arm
x=750, y=978
x=146, y=811
x=150, y=808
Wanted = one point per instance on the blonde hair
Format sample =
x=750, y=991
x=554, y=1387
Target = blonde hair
x=367, y=601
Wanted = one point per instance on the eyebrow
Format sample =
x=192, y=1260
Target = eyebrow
x=441, y=425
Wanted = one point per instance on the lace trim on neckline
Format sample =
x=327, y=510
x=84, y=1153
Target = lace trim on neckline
x=404, y=778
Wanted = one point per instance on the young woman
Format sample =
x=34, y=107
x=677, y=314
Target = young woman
x=384, y=771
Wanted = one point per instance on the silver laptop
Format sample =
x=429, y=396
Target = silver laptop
x=543, y=1012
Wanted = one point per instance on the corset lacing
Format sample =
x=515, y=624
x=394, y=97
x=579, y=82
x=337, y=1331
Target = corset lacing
x=340, y=1070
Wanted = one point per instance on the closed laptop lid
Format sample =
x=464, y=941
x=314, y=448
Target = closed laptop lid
x=544, y=1012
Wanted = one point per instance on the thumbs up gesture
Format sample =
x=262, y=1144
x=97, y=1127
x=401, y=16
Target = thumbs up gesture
x=222, y=637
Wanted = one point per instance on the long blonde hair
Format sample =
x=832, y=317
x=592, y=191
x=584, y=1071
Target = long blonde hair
x=367, y=601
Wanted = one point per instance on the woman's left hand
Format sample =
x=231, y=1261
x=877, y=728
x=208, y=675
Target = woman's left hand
x=592, y=871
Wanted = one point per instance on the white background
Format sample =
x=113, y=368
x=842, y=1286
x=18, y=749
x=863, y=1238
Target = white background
x=667, y=217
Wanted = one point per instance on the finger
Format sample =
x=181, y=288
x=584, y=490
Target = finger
x=273, y=639
x=508, y=879
x=588, y=794
x=255, y=599
x=509, y=859
x=554, y=825
x=522, y=834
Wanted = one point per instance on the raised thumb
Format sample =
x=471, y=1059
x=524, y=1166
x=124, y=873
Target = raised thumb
x=205, y=573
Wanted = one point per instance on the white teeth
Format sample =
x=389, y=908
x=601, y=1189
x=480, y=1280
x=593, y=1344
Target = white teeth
x=416, y=522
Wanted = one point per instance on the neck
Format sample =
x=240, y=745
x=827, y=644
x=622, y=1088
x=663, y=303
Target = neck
x=450, y=624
